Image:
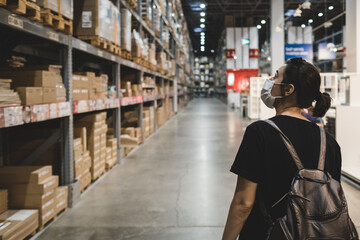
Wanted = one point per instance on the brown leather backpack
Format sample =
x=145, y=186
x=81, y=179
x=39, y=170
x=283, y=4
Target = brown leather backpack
x=316, y=205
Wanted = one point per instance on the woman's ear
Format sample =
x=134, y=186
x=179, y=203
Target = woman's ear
x=289, y=89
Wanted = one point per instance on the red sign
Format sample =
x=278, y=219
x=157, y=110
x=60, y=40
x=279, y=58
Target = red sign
x=239, y=79
x=254, y=53
x=230, y=53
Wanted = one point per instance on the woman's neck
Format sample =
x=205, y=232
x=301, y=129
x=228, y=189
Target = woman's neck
x=291, y=111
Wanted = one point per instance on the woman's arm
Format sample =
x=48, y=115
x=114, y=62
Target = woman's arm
x=240, y=208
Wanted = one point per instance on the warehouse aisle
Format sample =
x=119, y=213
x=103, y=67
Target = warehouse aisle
x=176, y=186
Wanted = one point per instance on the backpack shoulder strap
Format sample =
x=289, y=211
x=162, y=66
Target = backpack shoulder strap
x=321, y=164
x=288, y=144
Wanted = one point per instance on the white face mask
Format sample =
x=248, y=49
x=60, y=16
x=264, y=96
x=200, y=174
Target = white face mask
x=266, y=96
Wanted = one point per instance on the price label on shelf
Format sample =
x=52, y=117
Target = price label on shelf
x=53, y=36
x=100, y=53
x=83, y=46
x=16, y=22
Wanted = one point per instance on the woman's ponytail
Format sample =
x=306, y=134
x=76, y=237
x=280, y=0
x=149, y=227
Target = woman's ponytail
x=323, y=102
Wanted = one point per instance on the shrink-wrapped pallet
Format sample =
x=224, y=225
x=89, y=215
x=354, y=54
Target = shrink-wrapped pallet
x=126, y=29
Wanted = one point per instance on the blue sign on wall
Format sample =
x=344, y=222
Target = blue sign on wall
x=304, y=51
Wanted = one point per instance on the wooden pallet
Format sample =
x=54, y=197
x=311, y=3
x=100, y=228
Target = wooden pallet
x=161, y=71
x=153, y=67
x=97, y=42
x=133, y=4
x=117, y=50
x=126, y=54
x=148, y=22
x=47, y=223
x=56, y=21
x=2, y=2
x=26, y=8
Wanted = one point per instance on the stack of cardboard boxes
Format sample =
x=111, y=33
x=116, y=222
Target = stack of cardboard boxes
x=148, y=120
x=82, y=159
x=33, y=188
x=97, y=18
x=86, y=85
x=133, y=133
x=161, y=60
x=38, y=84
x=65, y=8
x=16, y=224
x=125, y=30
x=111, y=152
x=136, y=90
x=96, y=129
x=80, y=86
x=8, y=97
x=160, y=116
x=127, y=87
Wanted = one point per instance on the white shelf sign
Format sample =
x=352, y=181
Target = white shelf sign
x=16, y=22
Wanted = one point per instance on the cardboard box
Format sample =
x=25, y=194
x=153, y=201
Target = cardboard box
x=65, y=8
x=80, y=81
x=31, y=78
x=27, y=174
x=3, y=200
x=87, y=163
x=30, y=95
x=48, y=213
x=61, y=199
x=78, y=148
x=31, y=200
x=85, y=180
x=94, y=18
x=98, y=117
x=108, y=153
x=78, y=167
x=49, y=95
x=81, y=133
x=32, y=188
x=18, y=224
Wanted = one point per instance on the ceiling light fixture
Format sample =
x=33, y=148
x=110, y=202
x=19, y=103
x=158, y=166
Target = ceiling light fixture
x=202, y=5
x=235, y=57
x=258, y=26
x=202, y=34
x=202, y=14
x=202, y=25
x=263, y=21
x=212, y=50
x=320, y=14
x=331, y=7
x=303, y=25
x=311, y=21
x=202, y=20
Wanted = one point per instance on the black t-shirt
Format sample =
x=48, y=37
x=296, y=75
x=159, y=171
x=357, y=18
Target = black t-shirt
x=263, y=158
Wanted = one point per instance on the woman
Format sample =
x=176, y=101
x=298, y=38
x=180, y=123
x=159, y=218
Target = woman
x=264, y=166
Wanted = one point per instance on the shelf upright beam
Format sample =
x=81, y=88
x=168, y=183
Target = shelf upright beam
x=67, y=129
x=117, y=111
x=139, y=77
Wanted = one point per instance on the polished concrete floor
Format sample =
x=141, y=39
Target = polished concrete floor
x=176, y=186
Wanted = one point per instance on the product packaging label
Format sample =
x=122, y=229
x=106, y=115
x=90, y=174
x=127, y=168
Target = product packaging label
x=86, y=19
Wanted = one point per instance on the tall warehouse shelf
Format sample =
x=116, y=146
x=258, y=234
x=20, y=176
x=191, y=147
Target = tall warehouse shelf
x=129, y=95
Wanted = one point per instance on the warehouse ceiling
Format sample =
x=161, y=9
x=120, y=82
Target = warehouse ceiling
x=251, y=13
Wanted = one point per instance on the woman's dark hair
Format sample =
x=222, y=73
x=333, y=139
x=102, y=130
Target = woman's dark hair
x=306, y=79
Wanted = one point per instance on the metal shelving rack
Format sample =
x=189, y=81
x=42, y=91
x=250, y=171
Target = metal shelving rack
x=67, y=44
